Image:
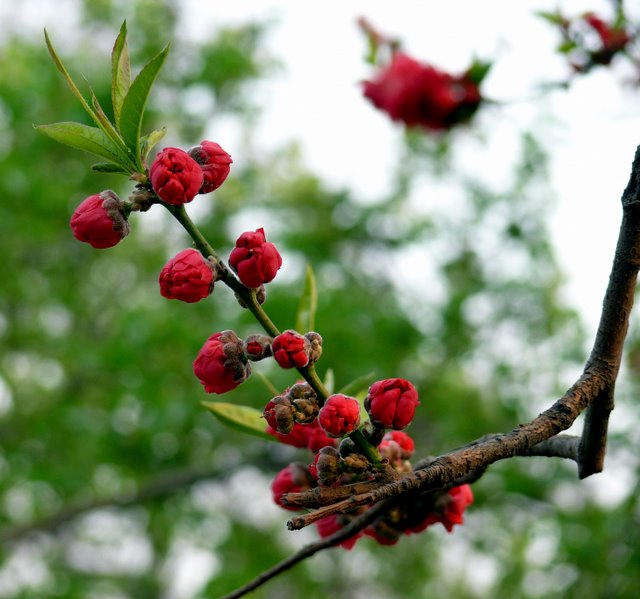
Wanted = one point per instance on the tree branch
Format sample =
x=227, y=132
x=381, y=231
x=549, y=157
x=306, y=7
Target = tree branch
x=354, y=527
x=612, y=330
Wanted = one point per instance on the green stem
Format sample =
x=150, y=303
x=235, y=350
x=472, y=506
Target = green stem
x=248, y=297
x=365, y=448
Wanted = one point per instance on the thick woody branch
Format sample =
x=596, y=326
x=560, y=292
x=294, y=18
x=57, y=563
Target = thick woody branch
x=612, y=330
x=594, y=389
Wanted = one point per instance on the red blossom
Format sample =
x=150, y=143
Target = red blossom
x=215, y=164
x=401, y=440
x=340, y=415
x=255, y=259
x=309, y=436
x=418, y=94
x=613, y=38
x=448, y=510
x=391, y=403
x=175, y=176
x=291, y=350
x=332, y=524
x=220, y=365
x=99, y=220
x=295, y=478
x=187, y=277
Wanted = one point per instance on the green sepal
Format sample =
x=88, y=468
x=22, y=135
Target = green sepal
x=134, y=103
x=120, y=72
x=241, y=418
x=478, y=71
x=306, y=313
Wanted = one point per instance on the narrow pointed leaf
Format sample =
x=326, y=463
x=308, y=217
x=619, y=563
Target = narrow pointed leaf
x=134, y=102
x=151, y=139
x=65, y=74
x=242, y=418
x=88, y=139
x=120, y=72
x=107, y=128
x=358, y=385
x=306, y=314
x=109, y=167
x=110, y=130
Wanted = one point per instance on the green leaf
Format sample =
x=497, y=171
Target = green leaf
x=151, y=139
x=566, y=47
x=358, y=385
x=120, y=72
x=134, y=102
x=329, y=380
x=110, y=130
x=552, y=17
x=70, y=83
x=99, y=119
x=478, y=71
x=109, y=167
x=242, y=418
x=88, y=139
x=306, y=314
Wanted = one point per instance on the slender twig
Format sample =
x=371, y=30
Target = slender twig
x=352, y=528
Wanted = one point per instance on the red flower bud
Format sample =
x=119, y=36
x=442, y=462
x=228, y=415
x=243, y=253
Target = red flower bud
x=391, y=403
x=420, y=95
x=448, y=510
x=279, y=414
x=332, y=524
x=613, y=38
x=401, y=440
x=295, y=478
x=258, y=347
x=215, y=164
x=340, y=415
x=175, y=176
x=187, y=277
x=255, y=259
x=99, y=220
x=291, y=350
x=220, y=364
x=309, y=436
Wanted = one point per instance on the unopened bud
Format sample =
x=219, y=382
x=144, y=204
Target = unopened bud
x=315, y=343
x=279, y=414
x=327, y=465
x=258, y=347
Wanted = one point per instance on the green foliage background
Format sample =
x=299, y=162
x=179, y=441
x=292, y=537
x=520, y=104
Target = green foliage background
x=98, y=397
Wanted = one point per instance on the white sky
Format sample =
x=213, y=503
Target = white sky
x=316, y=99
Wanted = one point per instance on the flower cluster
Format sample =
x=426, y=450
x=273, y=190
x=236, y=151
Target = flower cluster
x=590, y=40
x=421, y=95
x=175, y=178
x=337, y=466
